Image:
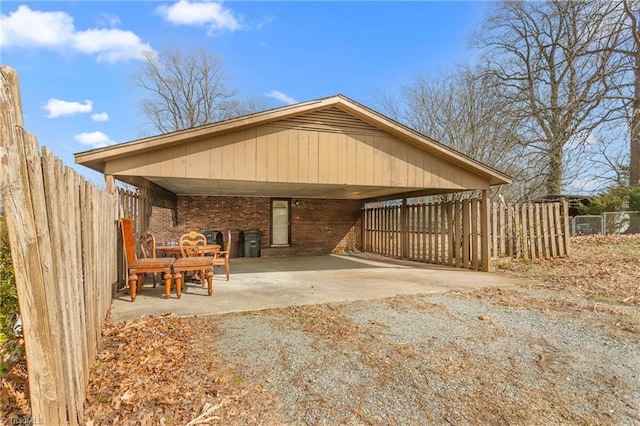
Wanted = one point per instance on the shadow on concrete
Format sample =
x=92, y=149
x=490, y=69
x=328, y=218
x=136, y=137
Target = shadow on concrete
x=243, y=265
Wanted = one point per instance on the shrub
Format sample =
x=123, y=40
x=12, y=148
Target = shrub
x=618, y=198
x=9, y=343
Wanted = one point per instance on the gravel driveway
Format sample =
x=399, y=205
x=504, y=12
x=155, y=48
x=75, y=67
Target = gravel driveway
x=481, y=357
x=488, y=356
x=548, y=353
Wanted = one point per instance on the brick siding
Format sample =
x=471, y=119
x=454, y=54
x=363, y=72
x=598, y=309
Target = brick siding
x=317, y=226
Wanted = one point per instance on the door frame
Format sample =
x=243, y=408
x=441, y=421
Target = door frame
x=288, y=200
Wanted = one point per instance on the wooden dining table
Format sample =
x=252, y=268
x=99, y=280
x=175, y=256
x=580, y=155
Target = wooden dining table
x=174, y=251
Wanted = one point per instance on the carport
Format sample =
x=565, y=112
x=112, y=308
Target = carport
x=301, y=176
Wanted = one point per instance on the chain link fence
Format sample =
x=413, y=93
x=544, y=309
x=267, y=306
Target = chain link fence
x=607, y=223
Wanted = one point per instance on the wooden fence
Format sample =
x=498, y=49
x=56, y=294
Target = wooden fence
x=530, y=231
x=452, y=233
x=442, y=233
x=136, y=205
x=62, y=232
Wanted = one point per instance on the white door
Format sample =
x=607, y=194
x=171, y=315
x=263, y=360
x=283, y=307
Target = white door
x=280, y=222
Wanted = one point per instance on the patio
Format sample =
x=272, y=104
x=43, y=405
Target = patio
x=264, y=283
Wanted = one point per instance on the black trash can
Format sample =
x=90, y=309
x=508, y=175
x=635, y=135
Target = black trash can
x=235, y=242
x=213, y=237
x=252, y=243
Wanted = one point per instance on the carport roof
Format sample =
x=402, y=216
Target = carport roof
x=101, y=158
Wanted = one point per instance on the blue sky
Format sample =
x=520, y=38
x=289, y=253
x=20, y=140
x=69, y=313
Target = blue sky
x=75, y=59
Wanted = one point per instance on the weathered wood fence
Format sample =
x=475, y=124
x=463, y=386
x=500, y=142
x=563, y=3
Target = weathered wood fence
x=530, y=231
x=452, y=233
x=136, y=205
x=441, y=233
x=62, y=232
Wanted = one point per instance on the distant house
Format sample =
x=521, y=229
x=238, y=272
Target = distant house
x=574, y=201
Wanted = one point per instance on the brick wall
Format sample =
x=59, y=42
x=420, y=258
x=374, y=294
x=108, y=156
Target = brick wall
x=317, y=226
x=325, y=226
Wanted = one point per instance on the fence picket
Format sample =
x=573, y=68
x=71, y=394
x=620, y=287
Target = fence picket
x=531, y=235
x=558, y=225
x=565, y=227
x=538, y=231
x=502, y=208
x=467, y=216
x=553, y=243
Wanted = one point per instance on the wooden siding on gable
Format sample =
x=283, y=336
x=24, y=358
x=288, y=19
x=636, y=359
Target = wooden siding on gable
x=307, y=149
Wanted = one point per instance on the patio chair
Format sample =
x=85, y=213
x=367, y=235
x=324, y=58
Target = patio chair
x=147, y=244
x=192, y=244
x=136, y=268
x=192, y=258
x=221, y=258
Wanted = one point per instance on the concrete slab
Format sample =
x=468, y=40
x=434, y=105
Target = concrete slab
x=258, y=283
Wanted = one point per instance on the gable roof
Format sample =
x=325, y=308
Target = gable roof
x=332, y=114
x=96, y=158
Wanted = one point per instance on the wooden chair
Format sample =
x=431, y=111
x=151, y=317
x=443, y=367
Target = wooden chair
x=147, y=244
x=136, y=267
x=221, y=258
x=193, y=259
x=192, y=244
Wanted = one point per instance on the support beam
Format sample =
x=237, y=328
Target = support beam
x=412, y=194
x=110, y=180
x=161, y=197
x=485, y=232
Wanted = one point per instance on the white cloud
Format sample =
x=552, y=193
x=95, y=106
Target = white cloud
x=103, y=116
x=201, y=13
x=55, y=30
x=94, y=139
x=281, y=97
x=28, y=28
x=111, y=45
x=108, y=20
x=57, y=107
x=264, y=22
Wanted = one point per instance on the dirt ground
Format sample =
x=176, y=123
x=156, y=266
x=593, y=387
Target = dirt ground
x=564, y=350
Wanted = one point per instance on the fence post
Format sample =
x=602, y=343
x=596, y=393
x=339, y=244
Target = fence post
x=485, y=253
x=362, y=222
x=565, y=227
x=404, y=230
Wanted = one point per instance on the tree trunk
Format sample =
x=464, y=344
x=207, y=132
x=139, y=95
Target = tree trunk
x=634, y=149
x=554, y=175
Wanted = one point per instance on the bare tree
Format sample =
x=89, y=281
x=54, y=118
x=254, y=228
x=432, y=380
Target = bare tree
x=186, y=89
x=464, y=110
x=252, y=105
x=610, y=165
x=557, y=72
